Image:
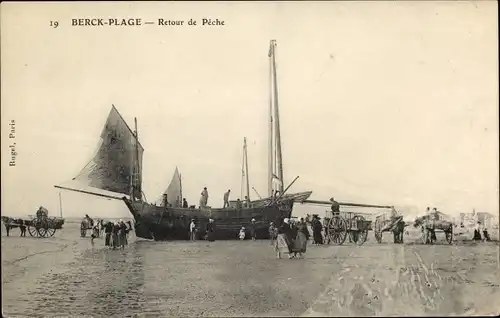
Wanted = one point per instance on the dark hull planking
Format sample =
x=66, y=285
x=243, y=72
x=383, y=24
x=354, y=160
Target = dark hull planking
x=160, y=223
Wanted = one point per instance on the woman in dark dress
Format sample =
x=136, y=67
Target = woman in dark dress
x=284, y=242
x=300, y=243
x=210, y=230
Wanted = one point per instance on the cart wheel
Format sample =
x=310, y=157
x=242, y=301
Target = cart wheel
x=51, y=232
x=377, y=229
x=33, y=228
x=42, y=231
x=337, y=230
x=32, y=231
x=362, y=233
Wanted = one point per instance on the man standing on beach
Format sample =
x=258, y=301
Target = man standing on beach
x=108, y=229
x=226, y=199
x=210, y=230
x=273, y=233
x=252, y=230
x=22, y=227
x=192, y=231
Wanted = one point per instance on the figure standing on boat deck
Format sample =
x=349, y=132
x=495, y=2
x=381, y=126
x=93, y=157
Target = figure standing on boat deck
x=210, y=230
x=226, y=199
x=238, y=203
x=165, y=200
x=247, y=202
x=184, y=203
x=204, y=198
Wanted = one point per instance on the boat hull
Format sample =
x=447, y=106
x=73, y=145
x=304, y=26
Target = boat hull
x=160, y=223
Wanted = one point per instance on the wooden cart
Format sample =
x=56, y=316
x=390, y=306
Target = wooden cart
x=342, y=224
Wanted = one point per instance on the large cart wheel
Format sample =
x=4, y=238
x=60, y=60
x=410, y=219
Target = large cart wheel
x=361, y=234
x=337, y=230
x=33, y=228
x=377, y=229
x=51, y=232
x=42, y=231
x=33, y=231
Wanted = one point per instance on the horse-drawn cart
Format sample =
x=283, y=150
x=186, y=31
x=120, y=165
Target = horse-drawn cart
x=394, y=224
x=41, y=225
x=342, y=224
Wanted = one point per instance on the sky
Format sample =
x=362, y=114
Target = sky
x=391, y=103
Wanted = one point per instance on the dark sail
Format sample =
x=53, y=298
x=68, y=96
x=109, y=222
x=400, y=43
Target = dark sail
x=114, y=166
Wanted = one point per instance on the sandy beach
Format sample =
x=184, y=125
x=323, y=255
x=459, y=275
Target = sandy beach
x=65, y=275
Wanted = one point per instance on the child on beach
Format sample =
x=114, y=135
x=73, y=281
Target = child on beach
x=242, y=234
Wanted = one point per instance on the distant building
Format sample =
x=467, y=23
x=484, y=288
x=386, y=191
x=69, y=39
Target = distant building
x=470, y=219
x=486, y=219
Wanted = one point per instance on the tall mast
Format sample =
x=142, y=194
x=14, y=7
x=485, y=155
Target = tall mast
x=60, y=205
x=270, y=136
x=245, y=157
x=132, y=167
x=276, y=119
x=136, y=175
x=180, y=185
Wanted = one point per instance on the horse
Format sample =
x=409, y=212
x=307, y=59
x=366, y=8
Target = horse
x=398, y=231
x=12, y=223
x=429, y=227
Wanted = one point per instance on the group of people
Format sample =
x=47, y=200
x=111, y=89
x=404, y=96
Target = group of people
x=115, y=233
x=253, y=232
x=292, y=237
x=209, y=230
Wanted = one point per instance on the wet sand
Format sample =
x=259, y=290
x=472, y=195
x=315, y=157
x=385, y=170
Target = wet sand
x=65, y=275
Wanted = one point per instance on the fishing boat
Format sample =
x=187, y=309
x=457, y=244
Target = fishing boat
x=116, y=168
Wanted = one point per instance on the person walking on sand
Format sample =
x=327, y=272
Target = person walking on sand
x=192, y=231
x=226, y=199
x=116, y=239
x=22, y=227
x=253, y=233
x=300, y=243
x=317, y=227
x=123, y=234
x=273, y=233
x=108, y=230
x=210, y=230
x=284, y=240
